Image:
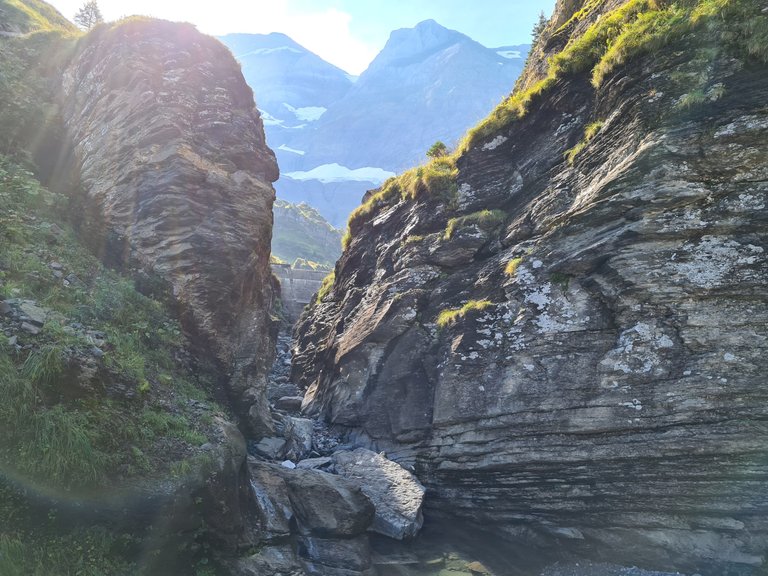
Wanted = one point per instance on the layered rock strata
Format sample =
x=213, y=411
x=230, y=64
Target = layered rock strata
x=177, y=181
x=585, y=363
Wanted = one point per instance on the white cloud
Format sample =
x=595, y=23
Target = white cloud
x=324, y=31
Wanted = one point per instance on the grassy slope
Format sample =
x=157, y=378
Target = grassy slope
x=34, y=15
x=144, y=414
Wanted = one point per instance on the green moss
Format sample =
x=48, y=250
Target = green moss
x=512, y=108
x=83, y=552
x=560, y=279
x=486, y=219
x=453, y=315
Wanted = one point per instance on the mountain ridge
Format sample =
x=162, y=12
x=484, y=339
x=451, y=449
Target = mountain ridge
x=428, y=83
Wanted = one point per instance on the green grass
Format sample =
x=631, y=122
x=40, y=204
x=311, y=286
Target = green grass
x=326, y=286
x=485, y=219
x=589, y=133
x=55, y=431
x=83, y=552
x=453, y=315
x=436, y=178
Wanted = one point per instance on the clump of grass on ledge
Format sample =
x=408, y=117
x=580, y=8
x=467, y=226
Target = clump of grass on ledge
x=483, y=218
x=436, y=178
x=326, y=286
x=453, y=315
x=589, y=132
x=510, y=269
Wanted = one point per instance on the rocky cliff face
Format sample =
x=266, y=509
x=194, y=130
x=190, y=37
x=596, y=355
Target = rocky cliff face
x=563, y=325
x=177, y=175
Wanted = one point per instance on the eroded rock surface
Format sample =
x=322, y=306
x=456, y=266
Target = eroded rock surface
x=396, y=494
x=607, y=389
x=177, y=178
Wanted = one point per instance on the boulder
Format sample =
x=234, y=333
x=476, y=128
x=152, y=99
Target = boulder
x=298, y=436
x=268, y=561
x=177, y=179
x=326, y=505
x=396, y=494
x=271, y=448
x=273, y=505
x=329, y=557
x=289, y=403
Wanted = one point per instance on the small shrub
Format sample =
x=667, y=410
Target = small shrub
x=451, y=316
x=437, y=150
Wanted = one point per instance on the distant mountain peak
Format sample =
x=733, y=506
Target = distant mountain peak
x=408, y=44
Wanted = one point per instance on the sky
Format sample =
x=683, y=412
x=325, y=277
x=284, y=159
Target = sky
x=347, y=33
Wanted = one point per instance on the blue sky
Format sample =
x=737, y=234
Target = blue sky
x=347, y=33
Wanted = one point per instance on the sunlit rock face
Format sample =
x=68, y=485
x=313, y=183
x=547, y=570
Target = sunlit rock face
x=609, y=390
x=177, y=177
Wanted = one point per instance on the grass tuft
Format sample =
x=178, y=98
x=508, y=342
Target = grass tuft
x=326, y=286
x=453, y=315
x=510, y=269
x=485, y=219
x=589, y=133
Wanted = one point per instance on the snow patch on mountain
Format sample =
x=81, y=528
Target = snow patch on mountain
x=270, y=120
x=511, y=54
x=268, y=51
x=285, y=148
x=307, y=113
x=337, y=173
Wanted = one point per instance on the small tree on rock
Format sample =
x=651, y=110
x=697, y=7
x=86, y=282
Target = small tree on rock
x=89, y=15
x=437, y=149
x=539, y=28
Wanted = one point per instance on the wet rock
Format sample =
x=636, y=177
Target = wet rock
x=5, y=308
x=396, y=493
x=269, y=561
x=334, y=557
x=273, y=504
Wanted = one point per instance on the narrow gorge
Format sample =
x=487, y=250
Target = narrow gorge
x=540, y=354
